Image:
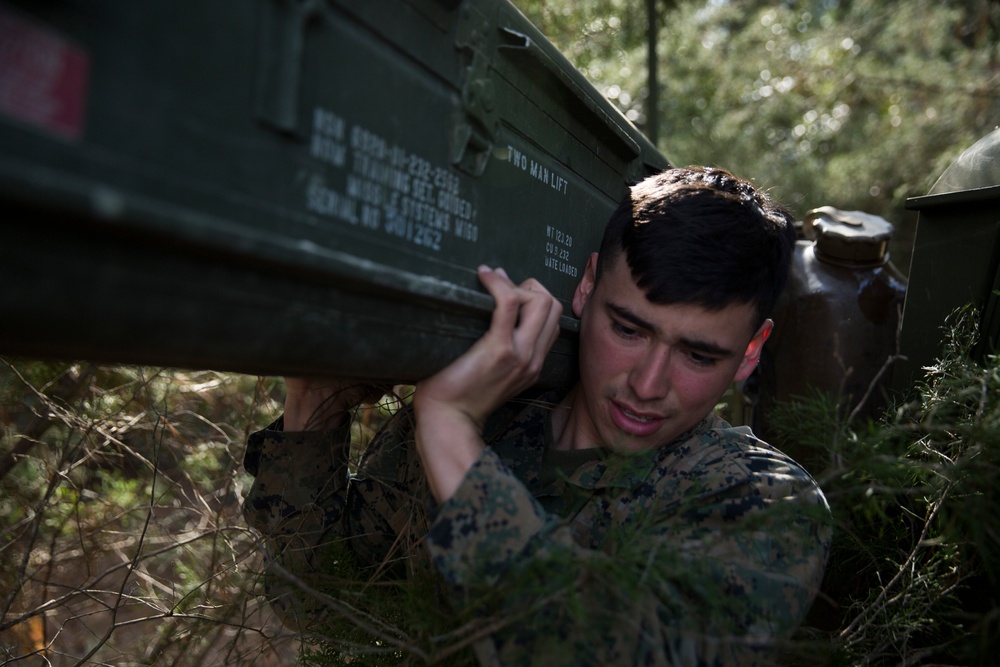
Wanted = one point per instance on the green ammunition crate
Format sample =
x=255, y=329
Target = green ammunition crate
x=292, y=187
x=956, y=259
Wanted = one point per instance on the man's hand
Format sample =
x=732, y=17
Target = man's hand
x=453, y=405
x=324, y=403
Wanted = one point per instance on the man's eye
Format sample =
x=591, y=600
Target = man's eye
x=699, y=359
x=623, y=330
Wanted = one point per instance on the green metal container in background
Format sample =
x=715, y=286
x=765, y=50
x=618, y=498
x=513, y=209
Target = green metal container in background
x=291, y=187
x=956, y=257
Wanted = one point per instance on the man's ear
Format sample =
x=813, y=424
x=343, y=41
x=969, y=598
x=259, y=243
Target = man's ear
x=586, y=285
x=754, y=349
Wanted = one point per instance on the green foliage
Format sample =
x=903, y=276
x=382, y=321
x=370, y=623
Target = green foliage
x=415, y=621
x=857, y=104
x=914, y=575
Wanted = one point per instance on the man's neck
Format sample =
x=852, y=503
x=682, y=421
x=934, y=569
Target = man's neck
x=566, y=432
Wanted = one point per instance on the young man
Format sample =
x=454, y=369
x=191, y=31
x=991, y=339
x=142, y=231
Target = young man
x=619, y=522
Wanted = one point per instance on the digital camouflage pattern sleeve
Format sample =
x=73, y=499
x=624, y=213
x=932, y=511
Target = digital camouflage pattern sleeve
x=708, y=551
x=319, y=523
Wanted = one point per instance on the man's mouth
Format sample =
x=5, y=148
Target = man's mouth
x=639, y=418
x=634, y=423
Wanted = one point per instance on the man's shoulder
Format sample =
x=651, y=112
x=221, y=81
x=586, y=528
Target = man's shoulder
x=715, y=437
x=718, y=455
x=713, y=442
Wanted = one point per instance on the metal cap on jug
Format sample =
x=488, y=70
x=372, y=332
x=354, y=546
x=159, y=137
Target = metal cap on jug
x=851, y=237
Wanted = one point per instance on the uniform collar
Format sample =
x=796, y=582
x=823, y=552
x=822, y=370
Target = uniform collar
x=526, y=438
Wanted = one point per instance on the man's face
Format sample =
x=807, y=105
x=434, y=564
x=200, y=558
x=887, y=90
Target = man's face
x=650, y=372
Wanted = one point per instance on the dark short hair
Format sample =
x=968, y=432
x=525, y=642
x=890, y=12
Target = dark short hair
x=703, y=236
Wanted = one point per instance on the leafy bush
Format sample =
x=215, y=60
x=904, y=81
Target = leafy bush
x=913, y=574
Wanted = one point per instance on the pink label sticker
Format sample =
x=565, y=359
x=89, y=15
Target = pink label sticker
x=43, y=77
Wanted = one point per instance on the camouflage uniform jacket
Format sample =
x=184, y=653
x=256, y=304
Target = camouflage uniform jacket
x=705, y=551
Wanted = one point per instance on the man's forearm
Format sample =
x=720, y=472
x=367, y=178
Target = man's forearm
x=449, y=443
x=453, y=405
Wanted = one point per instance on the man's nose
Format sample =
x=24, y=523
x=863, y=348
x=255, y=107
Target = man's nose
x=650, y=377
